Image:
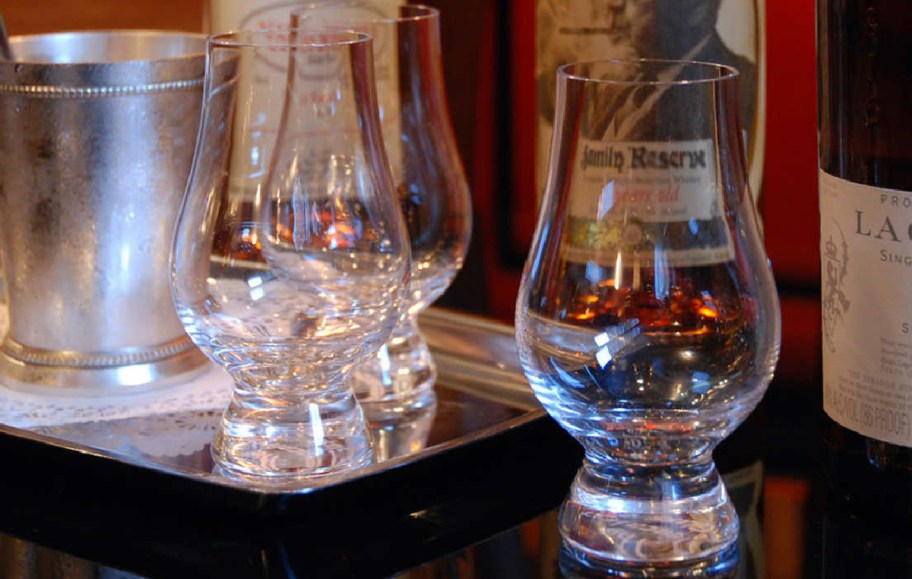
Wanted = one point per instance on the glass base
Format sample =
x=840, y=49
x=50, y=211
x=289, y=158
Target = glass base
x=399, y=380
x=648, y=518
x=297, y=438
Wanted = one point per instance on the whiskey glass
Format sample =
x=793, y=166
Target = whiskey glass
x=647, y=320
x=290, y=259
x=430, y=183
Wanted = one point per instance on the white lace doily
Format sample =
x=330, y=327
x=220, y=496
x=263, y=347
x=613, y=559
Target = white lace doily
x=176, y=420
x=27, y=410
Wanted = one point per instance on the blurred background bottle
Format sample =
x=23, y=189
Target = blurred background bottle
x=729, y=32
x=866, y=255
x=225, y=15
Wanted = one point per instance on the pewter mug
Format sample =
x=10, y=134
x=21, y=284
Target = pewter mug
x=97, y=132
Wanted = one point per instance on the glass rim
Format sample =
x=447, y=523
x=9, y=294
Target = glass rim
x=232, y=39
x=426, y=13
x=725, y=72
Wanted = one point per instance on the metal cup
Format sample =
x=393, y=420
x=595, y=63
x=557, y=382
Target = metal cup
x=97, y=132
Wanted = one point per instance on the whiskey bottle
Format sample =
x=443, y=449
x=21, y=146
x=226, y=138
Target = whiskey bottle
x=865, y=121
x=706, y=30
x=858, y=546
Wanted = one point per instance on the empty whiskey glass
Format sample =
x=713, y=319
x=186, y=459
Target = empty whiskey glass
x=647, y=320
x=430, y=183
x=291, y=258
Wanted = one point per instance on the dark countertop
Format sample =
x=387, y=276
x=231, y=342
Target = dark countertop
x=482, y=508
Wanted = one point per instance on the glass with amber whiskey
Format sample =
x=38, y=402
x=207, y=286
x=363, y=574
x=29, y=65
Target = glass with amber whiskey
x=647, y=320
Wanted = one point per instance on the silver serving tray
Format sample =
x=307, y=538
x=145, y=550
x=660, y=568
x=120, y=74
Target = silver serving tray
x=486, y=416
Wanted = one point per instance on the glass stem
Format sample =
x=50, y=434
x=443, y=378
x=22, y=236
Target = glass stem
x=400, y=378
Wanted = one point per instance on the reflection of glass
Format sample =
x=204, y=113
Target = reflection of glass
x=430, y=184
x=24, y=559
x=647, y=321
x=726, y=565
x=402, y=435
x=290, y=254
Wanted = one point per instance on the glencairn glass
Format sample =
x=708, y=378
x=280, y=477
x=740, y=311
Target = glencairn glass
x=648, y=320
x=430, y=183
x=291, y=258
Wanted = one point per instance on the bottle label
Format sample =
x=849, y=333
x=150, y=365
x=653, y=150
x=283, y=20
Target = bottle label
x=274, y=15
x=866, y=294
x=639, y=201
x=730, y=33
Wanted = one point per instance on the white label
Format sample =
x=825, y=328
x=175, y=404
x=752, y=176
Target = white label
x=650, y=181
x=866, y=266
x=638, y=200
x=225, y=15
